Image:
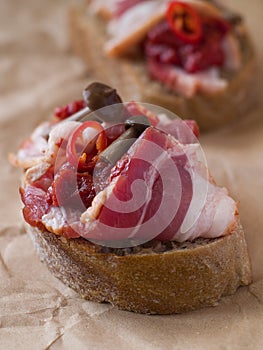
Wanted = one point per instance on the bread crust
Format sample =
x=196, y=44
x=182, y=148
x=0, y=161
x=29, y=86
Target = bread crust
x=185, y=278
x=132, y=81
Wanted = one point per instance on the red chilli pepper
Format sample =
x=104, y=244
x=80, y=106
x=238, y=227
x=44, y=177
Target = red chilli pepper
x=79, y=158
x=184, y=21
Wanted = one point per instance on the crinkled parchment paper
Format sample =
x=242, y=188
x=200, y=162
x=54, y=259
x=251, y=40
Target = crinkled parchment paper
x=36, y=310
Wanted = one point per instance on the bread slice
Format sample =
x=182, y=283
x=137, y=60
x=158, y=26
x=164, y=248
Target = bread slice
x=156, y=278
x=130, y=78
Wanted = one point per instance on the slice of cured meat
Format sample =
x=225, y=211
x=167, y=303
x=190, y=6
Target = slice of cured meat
x=139, y=203
x=159, y=190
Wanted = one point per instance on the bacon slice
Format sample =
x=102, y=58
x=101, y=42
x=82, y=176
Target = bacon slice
x=159, y=190
x=40, y=175
x=136, y=212
x=187, y=84
x=131, y=28
x=36, y=205
x=185, y=131
x=209, y=216
x=61, y=221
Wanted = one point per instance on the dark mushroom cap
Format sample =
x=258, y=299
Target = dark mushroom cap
x=98, y=95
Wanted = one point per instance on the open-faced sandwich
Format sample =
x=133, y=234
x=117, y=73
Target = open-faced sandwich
x=121, y=207
x=193, y=57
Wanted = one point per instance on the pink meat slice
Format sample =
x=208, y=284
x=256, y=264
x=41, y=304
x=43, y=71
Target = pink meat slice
x=149, y=193
x=186, y=84
x=186, y=131
x=160, y=190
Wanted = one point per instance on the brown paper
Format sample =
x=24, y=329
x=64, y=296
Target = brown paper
x=36, y=310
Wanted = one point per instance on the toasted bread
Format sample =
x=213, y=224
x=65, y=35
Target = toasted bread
x=155, y=278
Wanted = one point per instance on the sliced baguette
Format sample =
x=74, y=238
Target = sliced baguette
x=162, y=279
x=129, y=76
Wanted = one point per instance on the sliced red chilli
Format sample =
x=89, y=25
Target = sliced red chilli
x=88, y=140
x=184, y=21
